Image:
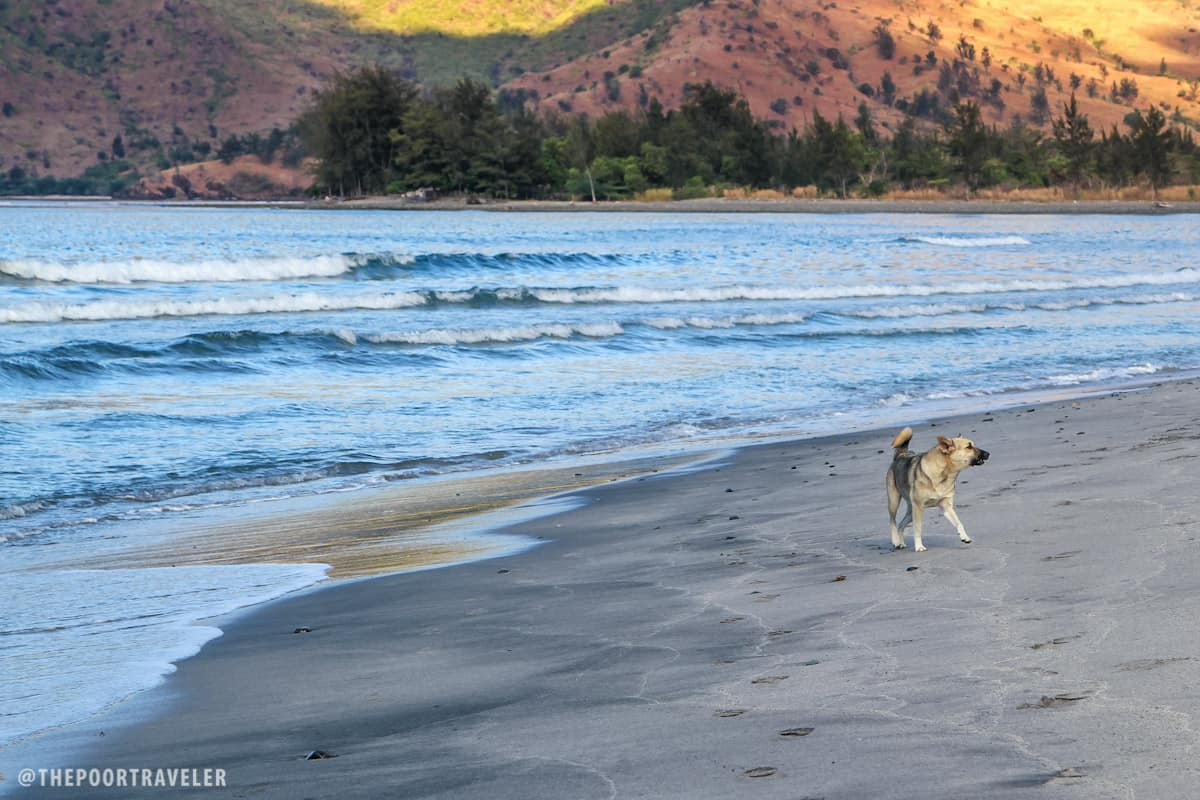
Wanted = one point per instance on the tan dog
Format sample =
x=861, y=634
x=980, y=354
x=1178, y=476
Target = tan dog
x=927, y=480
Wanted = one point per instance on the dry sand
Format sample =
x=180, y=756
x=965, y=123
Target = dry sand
x=745, y=630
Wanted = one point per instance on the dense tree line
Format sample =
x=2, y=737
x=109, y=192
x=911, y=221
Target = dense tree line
x=373, y=132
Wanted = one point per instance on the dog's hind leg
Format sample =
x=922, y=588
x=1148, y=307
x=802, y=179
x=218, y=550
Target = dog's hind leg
x=893, y=506
x=948, y=509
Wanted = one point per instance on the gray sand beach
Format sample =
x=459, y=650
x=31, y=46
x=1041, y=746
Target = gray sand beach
x=744, y=629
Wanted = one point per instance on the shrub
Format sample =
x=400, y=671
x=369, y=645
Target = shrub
x=885, y=43
x=692, y=190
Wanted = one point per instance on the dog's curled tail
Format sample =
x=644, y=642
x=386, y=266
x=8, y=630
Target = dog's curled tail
x=900, y=443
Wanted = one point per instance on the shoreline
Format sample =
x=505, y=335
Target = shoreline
x=783, y=206
x=612, y=642
x=697, y=206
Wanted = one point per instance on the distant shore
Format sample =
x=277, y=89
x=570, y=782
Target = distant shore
x=709, y=205
x=715, y=205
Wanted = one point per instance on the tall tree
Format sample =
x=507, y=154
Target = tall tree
x=1075, y=141
x=967, y=144
x=349, y=125
x=840, y=151
x=1152, y=144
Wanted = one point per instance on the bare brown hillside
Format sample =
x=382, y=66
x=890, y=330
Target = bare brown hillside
x=174, y=78
x=791, y=57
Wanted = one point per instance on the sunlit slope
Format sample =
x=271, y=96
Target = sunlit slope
x=467, y=17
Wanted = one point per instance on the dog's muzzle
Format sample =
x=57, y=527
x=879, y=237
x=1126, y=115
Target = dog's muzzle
x=979, y=459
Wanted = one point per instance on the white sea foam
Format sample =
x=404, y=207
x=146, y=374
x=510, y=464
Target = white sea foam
x=1104, y=374
x=974, y=241
x=673, y=323
x=155, y=271
x=1098, y=375
x=149, y=309
x=314, y=301
x=634, y=294
x=520, y=333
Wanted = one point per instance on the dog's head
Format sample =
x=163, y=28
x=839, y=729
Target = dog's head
x=962, y=453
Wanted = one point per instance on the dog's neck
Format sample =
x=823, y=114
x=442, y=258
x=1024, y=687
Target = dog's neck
x=943, y=469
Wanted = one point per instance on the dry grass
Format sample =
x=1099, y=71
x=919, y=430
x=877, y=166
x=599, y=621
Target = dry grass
x=654, y=196
x=921, y=194
x=805, y=192
x=1054, y=194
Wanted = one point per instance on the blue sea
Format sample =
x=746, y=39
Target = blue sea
x=172, y=363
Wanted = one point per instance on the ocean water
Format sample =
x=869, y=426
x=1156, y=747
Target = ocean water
x=161, y=364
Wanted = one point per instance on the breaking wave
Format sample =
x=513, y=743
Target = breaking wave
x=152, y=271
x=964, y=241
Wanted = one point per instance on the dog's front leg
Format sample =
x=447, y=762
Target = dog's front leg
x=918, y=512
x=948, y=509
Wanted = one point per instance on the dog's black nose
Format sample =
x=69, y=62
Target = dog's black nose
x=982, y=457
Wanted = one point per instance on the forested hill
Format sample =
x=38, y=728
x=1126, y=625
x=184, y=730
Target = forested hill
x=172, y=80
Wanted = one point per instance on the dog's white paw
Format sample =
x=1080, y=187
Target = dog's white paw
x=900, y=546
x=965, y=539
x=921, y=548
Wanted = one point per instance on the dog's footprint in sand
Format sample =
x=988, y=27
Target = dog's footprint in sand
x=727, y=620
x=1066, y=554
x=766, y=598
x=796, y=732
x=730, y=712
x=770, y=680
x=760, y=772
x=1057, y=640
x=1057, y=701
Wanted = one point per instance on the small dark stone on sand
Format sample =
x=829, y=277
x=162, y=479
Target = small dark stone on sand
x=796, y=732
x=760, y=772
x=812, y=662
x=735, y=516
x=729, y=490
x=838, y=579
x=501, y=571
x=302, y=630
x=910, y=569
x=730, y=712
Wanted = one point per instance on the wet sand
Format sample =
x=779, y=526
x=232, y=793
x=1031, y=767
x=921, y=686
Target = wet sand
x=744, y=630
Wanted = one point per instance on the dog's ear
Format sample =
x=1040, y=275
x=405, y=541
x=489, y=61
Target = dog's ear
x=945, y=445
